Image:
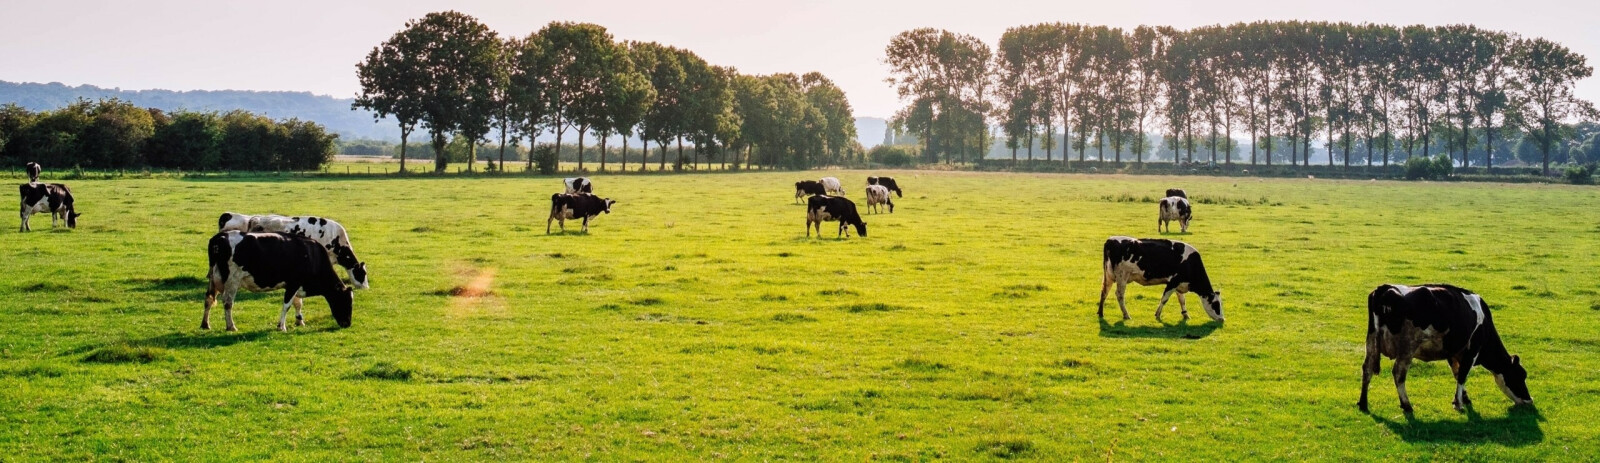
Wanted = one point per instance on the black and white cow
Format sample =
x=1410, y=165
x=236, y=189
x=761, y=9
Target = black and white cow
x=564, y=207
x=833, y=209
x=1177, y=192
x=831, y=185
x=328, y=233
x=808, y=187
x=1438, y=322
x=577, y=185
x=267, y=261
x=54, y=198
x=33, y=172
x=876, y=195
x=1174, y=208
x=887, y=182
x=1153, y=262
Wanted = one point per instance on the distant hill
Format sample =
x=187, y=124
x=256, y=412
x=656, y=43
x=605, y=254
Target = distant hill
x=331, y=112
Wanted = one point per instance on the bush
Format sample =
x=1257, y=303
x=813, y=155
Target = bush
x=1581, y=175
x=546, y=160
x=1422, y=168
x=891, y=155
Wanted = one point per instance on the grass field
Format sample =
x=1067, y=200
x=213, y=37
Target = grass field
x=698, y=322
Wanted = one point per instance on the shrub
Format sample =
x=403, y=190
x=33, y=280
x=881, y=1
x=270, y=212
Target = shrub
x=1423, y=168
x=891, y=155
x=546, y=160
x=1580, y=175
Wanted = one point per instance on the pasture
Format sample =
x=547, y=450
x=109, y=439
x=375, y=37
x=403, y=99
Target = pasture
x=697, y=322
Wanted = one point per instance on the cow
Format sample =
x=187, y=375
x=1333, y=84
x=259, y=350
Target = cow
x=887, y=182
x=54, y=198
x=33, y=172
x=577, y=185
x=1153, y=262
x=261, y=262
x=1177, y=192
x=328, y=233
x=1438, y=322
x=830, y=209
x=831, y=185
x=876, y=195
x=807, y=187
x=1174, y=208
x=564, y=207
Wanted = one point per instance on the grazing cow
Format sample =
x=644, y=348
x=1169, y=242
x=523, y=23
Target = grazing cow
x=267, y=261
x=830, y=209
x=1174, y=208
x=1438, y=322
x=1177, y=192
x=571, y=207
x=54, y=198
x=328, y=233
x=887, y=182
x=33, y=172
x=808, y=187
x=831, y=185
x=577, y=185
x=1153, y=262
x=878, y=194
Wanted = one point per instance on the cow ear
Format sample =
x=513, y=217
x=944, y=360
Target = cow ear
x=1516, y=360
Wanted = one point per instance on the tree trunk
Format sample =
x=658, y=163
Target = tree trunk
x=679, y=166
x=404, y=134
x=603, y=140
x=624, y=154
x=502, y=148
x=663, y=147
x=1030, y=147
x=582, y=131
x=439, y=161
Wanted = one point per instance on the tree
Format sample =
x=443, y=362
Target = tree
x=580, y=59
x=392, y=84
x=528, y=90
x=456, y=58
x=1546, y=73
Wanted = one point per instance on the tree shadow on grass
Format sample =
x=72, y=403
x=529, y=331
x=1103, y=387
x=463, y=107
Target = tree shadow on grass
x=1182, y=330
x=1519, y=427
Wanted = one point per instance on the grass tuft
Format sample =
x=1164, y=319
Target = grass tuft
x=647, y=301
x=921, y=364
x=1005, y=446
x=838, y=292
x=388, y=372
x=774, y=297
x=790, y=317
x=870, y=307
x=126, y=353
x=46, y=287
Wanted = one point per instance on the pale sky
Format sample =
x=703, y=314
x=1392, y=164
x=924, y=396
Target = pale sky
x=314, y=45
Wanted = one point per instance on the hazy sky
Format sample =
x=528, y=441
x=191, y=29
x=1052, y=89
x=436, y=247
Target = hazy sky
x=313, y=46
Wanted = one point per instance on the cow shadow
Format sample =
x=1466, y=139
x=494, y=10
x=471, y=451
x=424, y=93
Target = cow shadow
x=205, y=339
x=1181, y=330
x=1520, y=427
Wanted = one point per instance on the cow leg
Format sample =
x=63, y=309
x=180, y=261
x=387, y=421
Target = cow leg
x=205, y=317
x=1183, y=307
x=1184, y=226
x=586, y=225
x=547, y=225
x=1122, y=289
x=1368, y=368
x=1461, y=369
x=299, y=314
x=1401, y=365
x=1105, y=286
x=227, y=309
x=289, y=294
x=1163, y=304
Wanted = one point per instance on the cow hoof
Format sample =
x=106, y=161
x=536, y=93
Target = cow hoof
x=283, y=328
x=1362, y=406
x=1126, y=318
x=233, y=329
x=1406, y=408
x=299, y=323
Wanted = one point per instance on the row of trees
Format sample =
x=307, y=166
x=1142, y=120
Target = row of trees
x=1380, y=88
x=449, y=74
x=115, y=134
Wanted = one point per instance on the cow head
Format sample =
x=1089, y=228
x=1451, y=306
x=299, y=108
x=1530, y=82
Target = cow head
x=861, y=229
x=609, y=202
x=1213, y=304
x=346, y=258
x=341, y=302
x=1514, y=382
x=72, y=219
x=359, y=276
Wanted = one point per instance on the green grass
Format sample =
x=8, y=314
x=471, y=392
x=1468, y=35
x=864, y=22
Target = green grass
x=697, y=322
